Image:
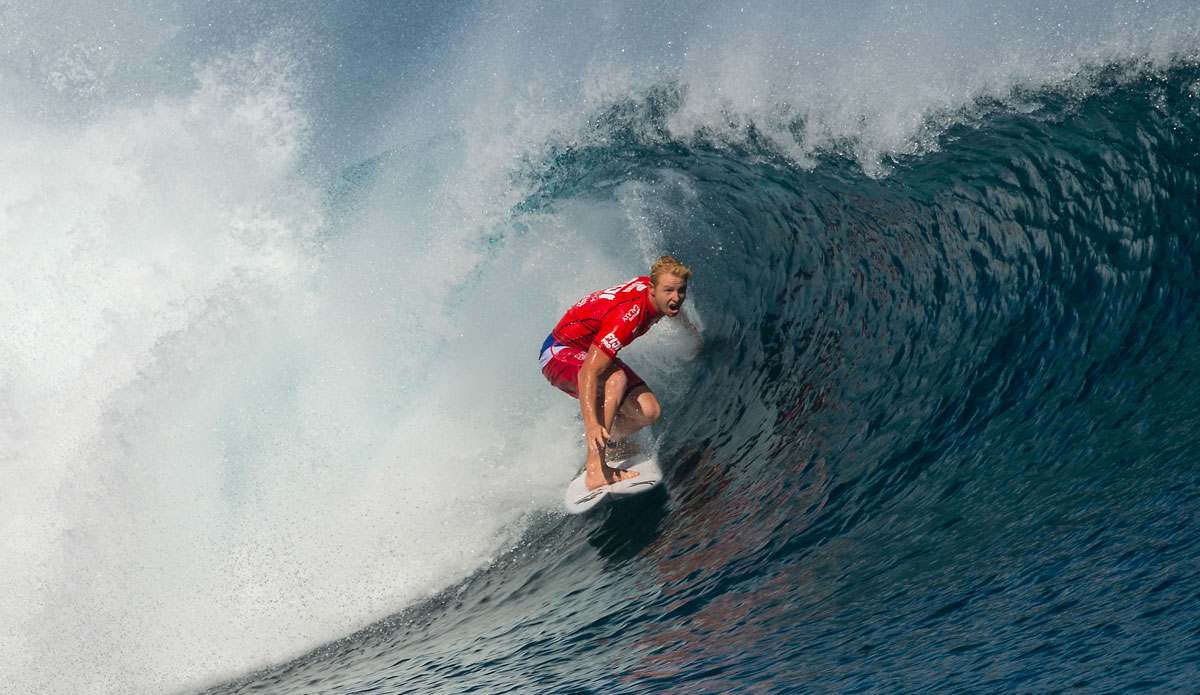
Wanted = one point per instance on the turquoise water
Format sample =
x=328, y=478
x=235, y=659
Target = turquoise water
x=940, y=438
x=271, y=419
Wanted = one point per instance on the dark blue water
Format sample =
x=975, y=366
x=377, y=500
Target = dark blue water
x=274, y=276
x=942, y=436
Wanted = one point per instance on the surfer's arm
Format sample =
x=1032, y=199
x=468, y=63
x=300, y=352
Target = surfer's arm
x=589, y=397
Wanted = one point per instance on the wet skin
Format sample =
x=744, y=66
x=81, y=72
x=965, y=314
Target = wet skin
x=610, y=411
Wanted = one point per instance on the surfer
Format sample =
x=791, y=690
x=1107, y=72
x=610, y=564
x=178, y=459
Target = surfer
x=580, y=357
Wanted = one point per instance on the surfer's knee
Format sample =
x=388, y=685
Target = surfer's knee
x=648, y=404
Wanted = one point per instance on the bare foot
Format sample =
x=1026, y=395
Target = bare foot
x=605, y=476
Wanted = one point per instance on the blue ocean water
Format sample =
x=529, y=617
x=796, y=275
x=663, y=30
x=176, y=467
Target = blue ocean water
x=270, y=414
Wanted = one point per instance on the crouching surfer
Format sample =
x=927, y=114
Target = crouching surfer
x=580, y=358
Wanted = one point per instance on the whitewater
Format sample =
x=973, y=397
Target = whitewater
x=274, y=277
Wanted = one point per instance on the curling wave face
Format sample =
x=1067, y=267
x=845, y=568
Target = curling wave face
x=940, y=427
x=944, y=269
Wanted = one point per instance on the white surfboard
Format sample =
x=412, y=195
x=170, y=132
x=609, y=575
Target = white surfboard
x=579, y=499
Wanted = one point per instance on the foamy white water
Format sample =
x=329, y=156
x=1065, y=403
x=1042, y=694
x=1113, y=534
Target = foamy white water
x=248, y=405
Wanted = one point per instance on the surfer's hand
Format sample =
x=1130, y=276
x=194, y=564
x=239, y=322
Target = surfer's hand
x=597, y=438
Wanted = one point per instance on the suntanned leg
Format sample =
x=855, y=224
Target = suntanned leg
x=615, y=384
x=598, y=471
x=639, y=409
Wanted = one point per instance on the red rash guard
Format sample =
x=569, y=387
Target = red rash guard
x=610, y=319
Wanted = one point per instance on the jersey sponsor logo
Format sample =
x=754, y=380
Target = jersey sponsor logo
x=611, y=342
x=631, y=314
x=612, y=292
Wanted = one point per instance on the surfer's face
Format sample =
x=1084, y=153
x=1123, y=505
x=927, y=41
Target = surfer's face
x=668, y=294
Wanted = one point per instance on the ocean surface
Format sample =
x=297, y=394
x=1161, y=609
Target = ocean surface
x=275, y=275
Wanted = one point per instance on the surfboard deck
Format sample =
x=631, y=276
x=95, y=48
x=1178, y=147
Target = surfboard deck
x=579, y=499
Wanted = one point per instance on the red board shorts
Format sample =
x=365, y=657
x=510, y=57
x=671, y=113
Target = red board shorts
x=561, y=363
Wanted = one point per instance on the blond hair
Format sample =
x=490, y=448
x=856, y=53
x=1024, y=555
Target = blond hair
x=670, y=265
